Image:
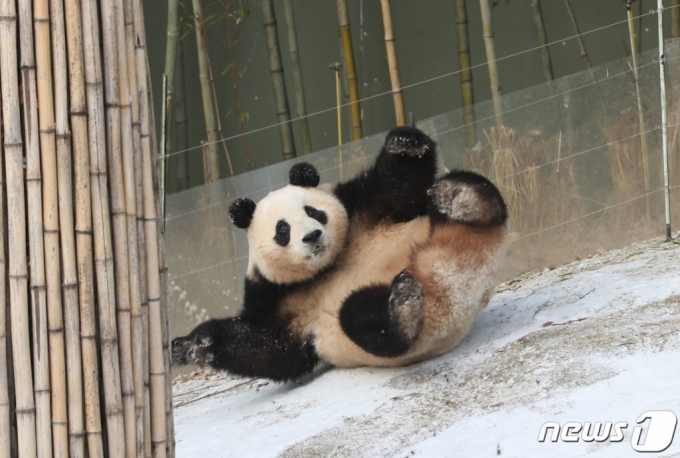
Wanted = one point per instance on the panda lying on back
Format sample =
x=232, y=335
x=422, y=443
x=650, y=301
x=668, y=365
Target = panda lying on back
x=387, y=269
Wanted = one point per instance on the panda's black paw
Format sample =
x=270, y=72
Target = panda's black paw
x=406, y=305
x=408, y=141
x=192, y=349
x=468, y=198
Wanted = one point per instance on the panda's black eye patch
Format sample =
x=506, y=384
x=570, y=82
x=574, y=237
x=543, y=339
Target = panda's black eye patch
x=318, y=215
x=282, y=236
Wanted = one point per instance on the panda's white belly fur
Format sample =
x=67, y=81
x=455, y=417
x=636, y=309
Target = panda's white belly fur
x=457, y=266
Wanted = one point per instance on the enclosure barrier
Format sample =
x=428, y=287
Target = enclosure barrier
x=568, y=161
x=84, y=361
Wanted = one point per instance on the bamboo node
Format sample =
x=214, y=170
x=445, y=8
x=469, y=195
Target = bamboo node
x=50, y=231
x=78, y=113
x=8, y=18
x=14, y=145
x=39, y=287
x=56, y=331
x=65, y=136
x=39, y=20
x=18, y=277
x=26, y=411
x=69, y=285
x=41, y=391
x=49, y=130
x=29, y=179
x=28, y=67
x=84, y=231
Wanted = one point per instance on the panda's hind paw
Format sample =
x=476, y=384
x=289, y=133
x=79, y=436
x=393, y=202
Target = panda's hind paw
x=408, y=141
x=192, y=349
x=406, y=305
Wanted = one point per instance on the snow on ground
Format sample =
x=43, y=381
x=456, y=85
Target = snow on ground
x=594, y=340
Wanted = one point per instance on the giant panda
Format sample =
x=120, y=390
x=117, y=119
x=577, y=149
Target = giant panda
x=387, y=269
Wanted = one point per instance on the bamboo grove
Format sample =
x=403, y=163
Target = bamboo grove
x=84, y=362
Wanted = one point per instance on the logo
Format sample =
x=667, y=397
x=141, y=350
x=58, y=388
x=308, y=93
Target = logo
x=658, y=427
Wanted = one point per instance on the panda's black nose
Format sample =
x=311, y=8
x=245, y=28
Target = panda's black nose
x=312, y=237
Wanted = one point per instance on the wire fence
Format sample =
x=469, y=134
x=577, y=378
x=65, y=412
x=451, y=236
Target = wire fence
x=578, y=164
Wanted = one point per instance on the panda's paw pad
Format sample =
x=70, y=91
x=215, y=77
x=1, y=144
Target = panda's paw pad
x=406, y=305
x=195, y=349
x=409, y=144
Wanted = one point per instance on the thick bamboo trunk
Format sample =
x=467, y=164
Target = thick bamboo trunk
x=5, y=409
x=278, y=80
x=468, y=99
x=491, y=61
x=50, y=190
x=181, y=138
x=206, y=91
x=103, y=245
x=350, y=70
x=76, y=429
x=542, y=40
x=41, y=363
x=297, y=77
x=392, y=63
x=83, y=230
x=16, y=224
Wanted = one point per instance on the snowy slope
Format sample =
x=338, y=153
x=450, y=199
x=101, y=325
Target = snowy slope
x=595, y=340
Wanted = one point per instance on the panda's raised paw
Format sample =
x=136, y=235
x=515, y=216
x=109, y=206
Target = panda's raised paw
x=408, y=141
x=192, y=349
x=406, y=305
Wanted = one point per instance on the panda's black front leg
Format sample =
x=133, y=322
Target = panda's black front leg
x=396, y=186
x=246, y=348
x=385, y=320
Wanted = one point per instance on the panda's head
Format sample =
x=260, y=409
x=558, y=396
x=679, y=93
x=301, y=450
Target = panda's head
x=294, y=232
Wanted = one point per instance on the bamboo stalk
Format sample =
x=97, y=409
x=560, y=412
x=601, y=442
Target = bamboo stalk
x=542, y=40
x=119, y=146
x=172, y=43
x=16, y=223
x=278, y=80
x=132, y=190
x=83, y=230
x=41, y=381
x=675, y=18
x=218, y=118
x=103, y=245
x=206, y=91
x=392, y=63
x=230, y=46
x=297, y=77
x=180, y=139
x=50, y=190
x=157, y=374
x=5, y=408
x=350, y=69
x=491, y=61
x=467, y=94
x=76, y=429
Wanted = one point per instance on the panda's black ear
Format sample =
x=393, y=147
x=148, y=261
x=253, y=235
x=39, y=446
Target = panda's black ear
x=241, y=212
x=304, y=174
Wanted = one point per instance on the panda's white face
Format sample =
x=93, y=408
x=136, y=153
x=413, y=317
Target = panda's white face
x=295, y=233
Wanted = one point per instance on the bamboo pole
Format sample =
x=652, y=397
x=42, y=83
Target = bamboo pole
x=157, y=372
x=132, y=192
x=40, y=344
x=145, y=144
x=50, y=190
x=83, y=230
x=16, y=224
x=542, y=40
x=119, y=147
x=278, y=80
x=664, y=123
x=297, y=77
x=206, y=90
x=218, y=118
x=350, y=69
x=104, y=265
x=76, y=430
x=491, y=61
x=392, y=63
x=235, y=79
x=467, y=94
x=641, y=119
x=180, y=138
x=172, y=43
x=5, y=408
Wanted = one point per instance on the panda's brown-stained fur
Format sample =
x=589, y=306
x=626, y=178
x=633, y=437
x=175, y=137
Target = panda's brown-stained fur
x=401, y=269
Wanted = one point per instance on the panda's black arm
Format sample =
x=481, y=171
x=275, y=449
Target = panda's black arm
x=241, y=347
x=395, y=187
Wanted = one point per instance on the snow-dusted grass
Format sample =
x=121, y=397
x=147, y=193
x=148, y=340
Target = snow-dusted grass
x=594, y=340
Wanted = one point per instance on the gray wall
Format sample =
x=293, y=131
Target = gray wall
x=426, y=47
